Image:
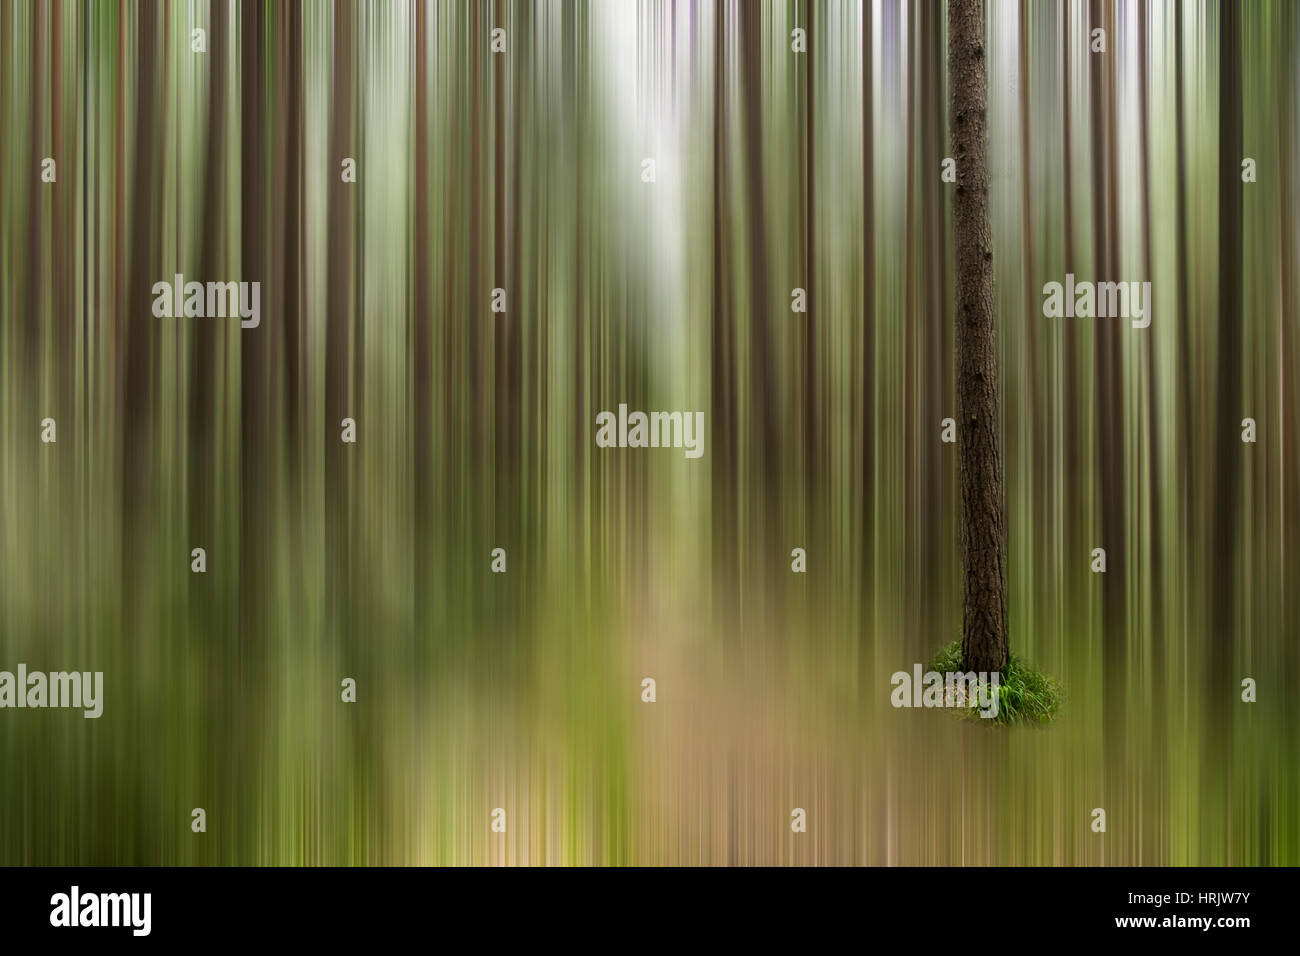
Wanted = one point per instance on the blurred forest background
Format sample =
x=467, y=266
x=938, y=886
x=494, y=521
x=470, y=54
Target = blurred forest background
x=522, y=170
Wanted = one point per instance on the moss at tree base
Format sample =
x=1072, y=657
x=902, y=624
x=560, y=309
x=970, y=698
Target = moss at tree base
x=1024, y=695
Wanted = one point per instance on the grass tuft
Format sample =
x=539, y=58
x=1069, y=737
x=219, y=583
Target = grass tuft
x=1024, y=694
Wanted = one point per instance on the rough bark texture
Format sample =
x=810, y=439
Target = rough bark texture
x=983, y=533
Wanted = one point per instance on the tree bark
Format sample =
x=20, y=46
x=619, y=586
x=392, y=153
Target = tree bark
x=867, y=356
x=723, y=400
x=763, y=378
x=983, y=530
x=1153, y=404
x=1037, y=401
x=206, y=338
x=1071, y=492
x=1228, y=461
x=811, y=412
x=340, y=295
x=1185, y=375
x=254, y=347
x=1108, y=422
x=935, y=394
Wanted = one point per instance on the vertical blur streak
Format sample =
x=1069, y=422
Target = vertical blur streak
x=516, y=161
x=1226, y=442
x=1155, y=841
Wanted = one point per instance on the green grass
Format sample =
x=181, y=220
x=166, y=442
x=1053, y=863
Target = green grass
x=1024, y=694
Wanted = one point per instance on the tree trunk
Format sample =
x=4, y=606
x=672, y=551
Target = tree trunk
x=340, y=212
x=983, y=532
x=1185, y=376
x=867, y=356
x=935, y=396
x=763, y=378
x=1108, y=422
x=1228, y=461
x=1037, y=402
x=1153, y=404
x=1071, y=493
x=254, y=348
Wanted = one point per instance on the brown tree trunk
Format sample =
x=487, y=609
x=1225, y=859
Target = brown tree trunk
x=1107, y=377
x=867, y=355
x=723, y=398
x=424, y=496
x=139, y=339
x=1157, y=838
x=1288, y=103
x=340, y=295
x=763, y=378
x=983, y=531
x=292, y=256
x=1228, y=461
x=911, y=598
x=1033, y=316
x=812, y=440
x=1071, y=486
x=911, y=595
x=1189, y=483
x=254, y=346
x=935, y=399
x=1153, y=406
x=206, y=337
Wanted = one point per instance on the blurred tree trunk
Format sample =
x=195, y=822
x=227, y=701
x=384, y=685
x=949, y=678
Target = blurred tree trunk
x=206, y=337
x=934, y=397
x=1288, y=102
x=254, y=376
x=1189, y=484
x=723, y=398
x=138, y=340
x=867, y=359
x=983, y=535
x=911, y=541
x=812, y=418
x=1033, y=314
x=1153, y=406
x=1108, y=423
x=292, y=255
x=1071, y=491
x=342, y=217
x=1228, y=460
x=763, y=378
x=1155, y=525
x=421, y=330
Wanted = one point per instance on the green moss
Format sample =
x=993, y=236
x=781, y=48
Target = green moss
x=1024, y=694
